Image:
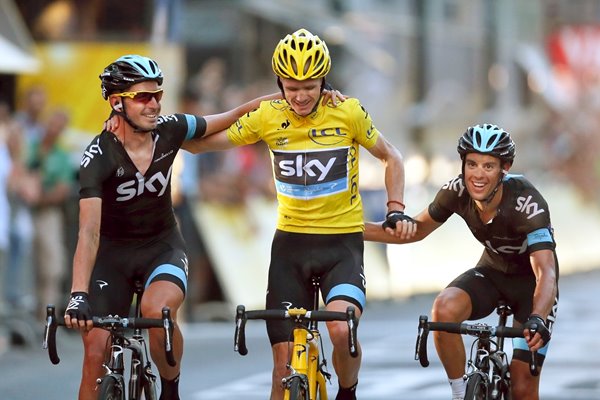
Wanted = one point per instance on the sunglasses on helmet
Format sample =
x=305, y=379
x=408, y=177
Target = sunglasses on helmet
x=143, y=96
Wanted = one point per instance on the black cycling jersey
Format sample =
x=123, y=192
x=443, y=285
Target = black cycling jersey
x=520, y=227
x=136, y=206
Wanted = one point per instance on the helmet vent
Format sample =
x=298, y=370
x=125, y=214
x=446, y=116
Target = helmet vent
x=301, y=56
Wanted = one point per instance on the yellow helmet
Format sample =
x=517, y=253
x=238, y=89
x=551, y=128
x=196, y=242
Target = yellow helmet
x=301, y=56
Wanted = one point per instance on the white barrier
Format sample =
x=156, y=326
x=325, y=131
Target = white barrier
x=239, y=241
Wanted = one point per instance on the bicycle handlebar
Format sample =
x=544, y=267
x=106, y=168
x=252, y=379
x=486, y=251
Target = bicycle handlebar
x=110, y=323
x=298, y=315
x=479, y=330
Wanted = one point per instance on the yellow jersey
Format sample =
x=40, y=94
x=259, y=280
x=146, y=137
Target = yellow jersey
x=315, y=162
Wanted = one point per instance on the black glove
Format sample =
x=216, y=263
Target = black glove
x=535, y=323
x=79, y=307
x=395, y=216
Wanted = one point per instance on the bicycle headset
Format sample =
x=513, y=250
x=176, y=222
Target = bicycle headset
x=487, y=139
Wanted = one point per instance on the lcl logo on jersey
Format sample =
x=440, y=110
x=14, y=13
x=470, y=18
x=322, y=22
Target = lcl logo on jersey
x=90, y=152
x=531, y=208
x=157, y=183
x=327, y=136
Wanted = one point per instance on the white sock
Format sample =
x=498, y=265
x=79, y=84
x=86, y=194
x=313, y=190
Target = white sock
x=458, y=388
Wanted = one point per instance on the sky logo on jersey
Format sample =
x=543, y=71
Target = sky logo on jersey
x=90, y=152
x=157, y=183
x=456, y=185
x=165, y=118
x=531, y=208
x=311, y=174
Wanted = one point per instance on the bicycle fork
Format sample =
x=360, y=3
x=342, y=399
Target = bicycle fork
x=304, y=364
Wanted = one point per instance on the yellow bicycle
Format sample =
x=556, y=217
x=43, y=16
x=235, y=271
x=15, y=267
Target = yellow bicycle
x=308, y=369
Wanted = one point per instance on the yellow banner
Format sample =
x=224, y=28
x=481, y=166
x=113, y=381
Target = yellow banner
x=69, y=74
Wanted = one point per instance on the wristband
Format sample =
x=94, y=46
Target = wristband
x=395, y=202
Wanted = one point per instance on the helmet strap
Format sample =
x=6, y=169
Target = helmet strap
x=123, y=114
x=488, y=199
x=323, y=86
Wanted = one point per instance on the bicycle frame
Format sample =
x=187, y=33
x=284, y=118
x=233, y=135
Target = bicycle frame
x=488, y=364
x=140, y=369
x=490, y=360
x=141, y=378
x=305, y=361
x=305, y=364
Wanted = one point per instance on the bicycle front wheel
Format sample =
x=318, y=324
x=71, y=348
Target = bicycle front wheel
x=112, y=387
x=476, y=388
x=297, y=390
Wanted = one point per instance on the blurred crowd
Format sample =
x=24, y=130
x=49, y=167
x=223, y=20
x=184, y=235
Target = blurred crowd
x=36, y=183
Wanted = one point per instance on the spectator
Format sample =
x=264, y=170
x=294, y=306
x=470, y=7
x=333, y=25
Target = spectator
x=52, y=166
x=5, y=169
x=23, y=191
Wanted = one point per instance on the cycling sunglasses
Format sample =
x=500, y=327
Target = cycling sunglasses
x=143, y=96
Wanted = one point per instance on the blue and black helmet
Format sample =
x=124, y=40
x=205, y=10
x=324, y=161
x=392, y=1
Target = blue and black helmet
x=487, y=139
x=127, y=71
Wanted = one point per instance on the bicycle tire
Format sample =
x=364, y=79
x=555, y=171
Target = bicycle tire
x=112, y=387
x=297, y=390
x=476, y=388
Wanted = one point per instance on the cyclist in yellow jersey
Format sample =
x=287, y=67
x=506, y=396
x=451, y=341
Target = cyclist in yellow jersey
x=315, y=153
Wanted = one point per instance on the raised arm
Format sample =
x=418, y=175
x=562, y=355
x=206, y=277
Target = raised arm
x=219, y=122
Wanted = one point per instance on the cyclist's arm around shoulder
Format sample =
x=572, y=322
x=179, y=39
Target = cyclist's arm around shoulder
x=218, y=122
x=425, y=225
x=215, y=142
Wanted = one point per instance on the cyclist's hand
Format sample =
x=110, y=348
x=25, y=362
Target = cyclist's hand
x=329, y=93
x=399, y=224
x=536, y=332
x=79, y=313
x=111, y=124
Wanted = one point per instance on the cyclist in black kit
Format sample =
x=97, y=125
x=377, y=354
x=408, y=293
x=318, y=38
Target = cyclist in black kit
x=511, y=219
x=127, y=228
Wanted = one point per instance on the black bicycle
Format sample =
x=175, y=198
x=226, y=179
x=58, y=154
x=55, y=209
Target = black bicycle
x=488, y=373
x=125, y=334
